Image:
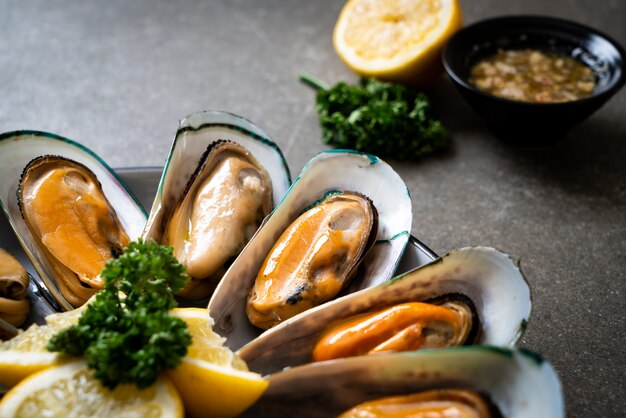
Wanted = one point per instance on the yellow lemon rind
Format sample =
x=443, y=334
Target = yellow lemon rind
x=18, y=365
x=210, y=390
x=169, y=398
x=419, y=66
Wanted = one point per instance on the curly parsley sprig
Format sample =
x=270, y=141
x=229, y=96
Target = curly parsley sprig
x=382, y=118
x=126, y=334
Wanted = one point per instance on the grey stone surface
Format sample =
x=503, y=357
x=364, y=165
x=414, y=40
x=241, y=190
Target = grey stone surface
x=117, y=75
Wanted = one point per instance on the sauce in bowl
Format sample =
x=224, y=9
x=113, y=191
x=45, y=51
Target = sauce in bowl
x=535, y=76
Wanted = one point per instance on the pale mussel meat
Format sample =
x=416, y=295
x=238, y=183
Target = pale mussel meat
x=447, y=321
x=221, y=208
x=69, y=210
x=221, y=179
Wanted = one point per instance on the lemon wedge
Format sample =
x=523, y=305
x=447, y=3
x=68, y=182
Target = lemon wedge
x=70, y=390
x=396, y=40
x=211, y=379
x=26, y=353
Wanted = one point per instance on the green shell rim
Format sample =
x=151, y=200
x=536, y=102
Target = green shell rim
x=264, y=139
x=507, y=352
x=522, y=326
x=16, y=134
x=373, y=160
x=536, y=358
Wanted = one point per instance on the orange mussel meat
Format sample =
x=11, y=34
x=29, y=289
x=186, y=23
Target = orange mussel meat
x=71, y=220
x=313, y=259
x=429, y=404
x=403, y=327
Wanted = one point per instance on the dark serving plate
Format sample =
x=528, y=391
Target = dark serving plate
x=527, y=123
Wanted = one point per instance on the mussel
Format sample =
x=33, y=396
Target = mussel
x=14, y=303
x=402, y=327
x=72, y=222
x=222, y=206
x=512, y=383
x=69, y=210
x=209, y=213
x=313, y=259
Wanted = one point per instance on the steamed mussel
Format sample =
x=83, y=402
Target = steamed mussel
x=72, y=222
x=223, y=204
x=14, y=302
x=313, y=259
x=402, y=327
x=497, y=382
x=221, y=178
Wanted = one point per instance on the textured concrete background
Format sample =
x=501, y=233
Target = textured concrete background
x=117, y=75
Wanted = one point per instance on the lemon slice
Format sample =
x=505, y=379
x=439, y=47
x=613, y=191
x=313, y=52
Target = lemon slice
x=397, y=40
x=70, y=390
x=211, y=379
x=26, y=353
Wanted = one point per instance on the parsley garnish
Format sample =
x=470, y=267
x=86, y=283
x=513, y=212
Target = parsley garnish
x=126, y=334
x=382, y=118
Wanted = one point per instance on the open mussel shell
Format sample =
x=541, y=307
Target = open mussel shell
x=327, y=173
x=518, y=382
x=202, y=142
x=195, y=134
x=488, y=278
x=17, y=150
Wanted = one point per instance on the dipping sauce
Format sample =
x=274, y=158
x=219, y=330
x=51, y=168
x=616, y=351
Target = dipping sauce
x=533, y=76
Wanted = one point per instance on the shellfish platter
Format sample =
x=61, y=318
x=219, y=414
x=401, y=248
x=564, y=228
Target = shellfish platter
x=225, y=201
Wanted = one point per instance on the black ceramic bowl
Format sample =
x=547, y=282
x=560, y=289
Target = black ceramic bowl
x=525, y=122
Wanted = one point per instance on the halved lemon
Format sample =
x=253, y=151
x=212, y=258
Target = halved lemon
x=397, y=40
x=26, y=353
x=70, y=390
x=211, y=379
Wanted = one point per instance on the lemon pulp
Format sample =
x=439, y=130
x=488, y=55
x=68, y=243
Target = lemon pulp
x=26, y=353
x=70, y=390
x=399, y=40
x=212, y=380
